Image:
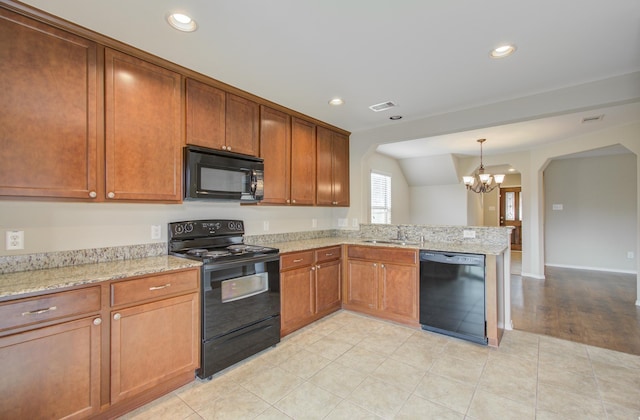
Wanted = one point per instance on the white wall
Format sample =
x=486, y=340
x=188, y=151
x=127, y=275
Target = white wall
x=596, y=227
x=439, y=205
x=52, y=226
x=400, y=196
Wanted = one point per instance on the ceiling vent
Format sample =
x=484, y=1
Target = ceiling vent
x=382, y=106
x=592, y=119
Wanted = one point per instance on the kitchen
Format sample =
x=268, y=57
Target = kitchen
x=64, y=226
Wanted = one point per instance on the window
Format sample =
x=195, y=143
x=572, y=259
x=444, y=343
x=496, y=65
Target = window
x=380, y=198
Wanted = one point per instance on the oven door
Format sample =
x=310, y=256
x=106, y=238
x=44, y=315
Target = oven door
x=238, y=294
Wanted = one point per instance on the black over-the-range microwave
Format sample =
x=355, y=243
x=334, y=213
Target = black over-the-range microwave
x=217, y=175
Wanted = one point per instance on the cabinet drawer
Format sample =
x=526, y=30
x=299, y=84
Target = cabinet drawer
x=400, y=256
x=49, y=307
x=296, y=259
x=328, y=254
x=153, y=287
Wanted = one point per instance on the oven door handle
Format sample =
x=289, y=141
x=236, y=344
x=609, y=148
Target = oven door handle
x=241, y=262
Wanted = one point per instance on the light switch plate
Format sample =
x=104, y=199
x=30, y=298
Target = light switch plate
x=156, y=232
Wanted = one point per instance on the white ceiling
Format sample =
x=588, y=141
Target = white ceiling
x=428, y=56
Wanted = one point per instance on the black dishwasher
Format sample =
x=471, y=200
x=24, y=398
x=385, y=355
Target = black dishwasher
x=452, y=297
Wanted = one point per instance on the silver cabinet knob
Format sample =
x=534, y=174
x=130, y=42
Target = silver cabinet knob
x=117, y=316
x=288, y=201
x=97, y=321
x=111, y=194
x=229, y=148
x=293, y=201
x=93, y=194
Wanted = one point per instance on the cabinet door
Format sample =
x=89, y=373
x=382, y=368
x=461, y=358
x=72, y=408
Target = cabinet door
x=297, y=298
x=303, y=162
x=153, y=342
x=143, y=130
x=333, y=168
x=205, y=115
x=362, y=284
x=52, y=372
x=328, y=284
x=324, y=176
x=399, y=291
x=340, y=170
x=49, y=106
x=242, y=126
x=275, y=149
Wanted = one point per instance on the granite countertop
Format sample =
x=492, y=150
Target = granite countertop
x=29, y=282
x=306, y=244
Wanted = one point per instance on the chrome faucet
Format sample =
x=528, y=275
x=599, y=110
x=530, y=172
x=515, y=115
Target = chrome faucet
x=401, y=236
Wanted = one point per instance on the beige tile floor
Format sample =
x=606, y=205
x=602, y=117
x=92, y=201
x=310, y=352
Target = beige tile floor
x=349, y=366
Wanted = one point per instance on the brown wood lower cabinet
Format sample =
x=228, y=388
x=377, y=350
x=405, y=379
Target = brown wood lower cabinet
x=153, y=342
x=99, y=351
x=383, y=282
x=52, y=371
x=310, y=286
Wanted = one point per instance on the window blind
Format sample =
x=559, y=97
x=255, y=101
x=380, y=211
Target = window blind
x=380, y=198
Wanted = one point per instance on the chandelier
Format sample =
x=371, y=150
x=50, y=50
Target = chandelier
x=480, y=182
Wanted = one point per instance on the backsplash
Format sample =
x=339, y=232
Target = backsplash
x=292, y=236
x=46, y=260
x=429, y=233
x=411, y=233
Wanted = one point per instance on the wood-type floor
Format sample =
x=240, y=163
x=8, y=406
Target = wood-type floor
x=590, y=307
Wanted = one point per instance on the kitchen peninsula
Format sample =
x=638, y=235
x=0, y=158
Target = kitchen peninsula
x=374, y=240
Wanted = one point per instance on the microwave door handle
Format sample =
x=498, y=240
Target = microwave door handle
x=254, y=182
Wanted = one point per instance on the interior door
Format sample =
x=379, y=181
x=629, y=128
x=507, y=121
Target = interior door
x=511, y=214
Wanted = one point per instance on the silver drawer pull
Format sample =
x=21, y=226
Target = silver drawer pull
x=329, y=255
x=40, y=311
x=160, y=287
x=298, y=260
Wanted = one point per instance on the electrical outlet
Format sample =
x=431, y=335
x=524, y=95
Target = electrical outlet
x=557, y=207
x=156, y=232
x=630, y=255
x=314, y=223
x=470, y=234
x=343, y=222
x=265, y=225
x=15, y=239
x=354, y=222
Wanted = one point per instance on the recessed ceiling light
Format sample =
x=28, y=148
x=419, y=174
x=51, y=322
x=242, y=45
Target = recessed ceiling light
x=512, y=170
x=395, y=117
x=336, y=102
x=182, y=22
x=502, y=51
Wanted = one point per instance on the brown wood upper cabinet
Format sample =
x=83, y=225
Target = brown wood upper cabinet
x=275, y=149
x=288, y=147
x=220, y=120
x=49, y=109
x=143, y=130
x=333, y=168
x=303, y=162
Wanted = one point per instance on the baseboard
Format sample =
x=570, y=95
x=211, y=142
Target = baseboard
x=579, y=267
x=531, y=275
